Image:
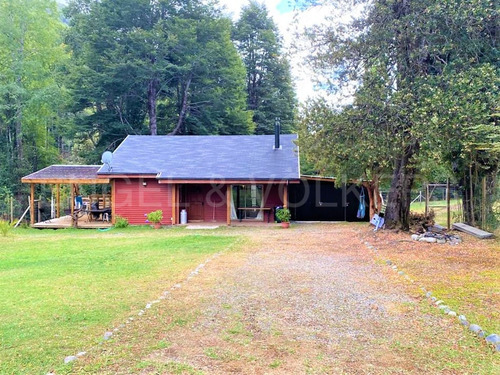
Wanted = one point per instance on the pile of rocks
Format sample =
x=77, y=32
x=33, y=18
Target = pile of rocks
x=440, y=238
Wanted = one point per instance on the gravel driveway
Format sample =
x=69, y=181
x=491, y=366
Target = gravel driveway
x=308, y=300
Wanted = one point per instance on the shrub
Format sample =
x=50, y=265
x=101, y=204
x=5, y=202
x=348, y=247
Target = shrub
x=155, y=216
x=121, y=222
x=283, y=215
x=5, y=227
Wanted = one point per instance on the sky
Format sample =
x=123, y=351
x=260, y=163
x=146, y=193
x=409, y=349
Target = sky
x=283, y=15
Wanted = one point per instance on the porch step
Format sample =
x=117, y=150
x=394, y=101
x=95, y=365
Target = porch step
x=190, y=226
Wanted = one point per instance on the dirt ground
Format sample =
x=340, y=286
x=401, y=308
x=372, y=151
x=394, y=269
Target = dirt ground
x=309, y=300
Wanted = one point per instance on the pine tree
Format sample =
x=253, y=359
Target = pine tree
x=269, y=85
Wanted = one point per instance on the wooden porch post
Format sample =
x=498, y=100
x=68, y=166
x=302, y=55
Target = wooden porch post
x=72, y=205
x=228, y=204
x=32, y=204
x=113, y=201
x=58, y=200
x=174, y=204
x=285, y=195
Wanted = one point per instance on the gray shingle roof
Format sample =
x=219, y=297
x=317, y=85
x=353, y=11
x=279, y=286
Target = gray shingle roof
x=244, y=157
x=64, y=172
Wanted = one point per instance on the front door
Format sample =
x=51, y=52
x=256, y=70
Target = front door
x=194, y=203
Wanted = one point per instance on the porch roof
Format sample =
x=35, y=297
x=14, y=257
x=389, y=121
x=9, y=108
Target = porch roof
x=66, y=174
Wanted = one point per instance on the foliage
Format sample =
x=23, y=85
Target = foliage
x=121, y=222
x=5, y=227
x=155, y=216
x=283, y=215
x=269, y=85
x=426, y=92
x=33, y=118
x=154, y=67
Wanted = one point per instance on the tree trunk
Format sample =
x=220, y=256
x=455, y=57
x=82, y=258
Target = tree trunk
x=378, y=197
x=471, y=192
x=152, y=92
x=369, y=188
x=372, y=188
x=397, y=214
x=184, y=107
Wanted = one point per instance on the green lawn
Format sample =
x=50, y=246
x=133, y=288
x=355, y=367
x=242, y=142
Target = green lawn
x=61, y=290
x=439, y=208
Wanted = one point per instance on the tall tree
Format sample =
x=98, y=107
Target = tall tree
x=209, y=80
x=32, y=99
x=419, y=46
x=269, y=84
x=163, y=66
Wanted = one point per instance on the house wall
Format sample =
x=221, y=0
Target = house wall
x=274, y=198
x=325, y=201
x=132, y=199
x=215, y=203
x=214, y=198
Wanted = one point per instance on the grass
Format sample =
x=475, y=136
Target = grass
x=465, y=276
x=439, y=208
x=61, y=290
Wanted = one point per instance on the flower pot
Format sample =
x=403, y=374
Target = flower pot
x=285, y=224
x=157, y=225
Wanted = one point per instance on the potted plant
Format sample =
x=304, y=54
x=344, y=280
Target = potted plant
x=284, y=215
x=155, y=217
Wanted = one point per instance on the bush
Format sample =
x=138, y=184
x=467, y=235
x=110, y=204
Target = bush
x=121, y=222
x=155, y=216
x=5, y=227
x=283, y=215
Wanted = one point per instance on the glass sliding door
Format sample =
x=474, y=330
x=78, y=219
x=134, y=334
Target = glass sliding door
x=247, y=201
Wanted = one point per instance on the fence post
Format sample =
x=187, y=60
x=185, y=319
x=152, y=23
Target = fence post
x=448, y=211
x=426, y=200
x=483, y=205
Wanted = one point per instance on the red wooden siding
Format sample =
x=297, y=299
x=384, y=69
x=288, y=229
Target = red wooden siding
x=274, y=197
x=133, y=199
x=212, y=197
x=215, y=203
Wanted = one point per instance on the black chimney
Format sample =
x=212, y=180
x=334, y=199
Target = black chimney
x=277, y=130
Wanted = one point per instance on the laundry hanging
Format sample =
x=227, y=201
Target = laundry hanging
x=362, y=204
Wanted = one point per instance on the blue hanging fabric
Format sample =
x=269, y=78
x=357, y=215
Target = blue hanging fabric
x=362, y=204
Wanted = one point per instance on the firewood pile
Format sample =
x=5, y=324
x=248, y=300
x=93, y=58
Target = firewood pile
x=425, y=230
x=419, y=222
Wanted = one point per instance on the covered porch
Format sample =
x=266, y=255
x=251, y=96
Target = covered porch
x=228, y=202
x=84, y=211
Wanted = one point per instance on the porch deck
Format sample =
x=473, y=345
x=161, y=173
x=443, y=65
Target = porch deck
x=65, y=222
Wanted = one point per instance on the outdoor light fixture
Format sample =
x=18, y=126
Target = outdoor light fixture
x=144, y=183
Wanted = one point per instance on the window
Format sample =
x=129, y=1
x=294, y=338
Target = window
x=247, y=199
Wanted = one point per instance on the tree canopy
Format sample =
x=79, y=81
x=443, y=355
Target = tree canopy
x=154, y=67
x=268, y=80
x=33, y=119
x=427, y=89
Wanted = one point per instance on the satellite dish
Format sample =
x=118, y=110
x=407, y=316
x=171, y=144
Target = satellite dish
x=106, y=158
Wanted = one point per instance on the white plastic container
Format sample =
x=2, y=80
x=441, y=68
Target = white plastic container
x=184, y=217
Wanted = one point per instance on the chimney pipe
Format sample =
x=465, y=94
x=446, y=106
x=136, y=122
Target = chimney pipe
x=277, y=130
